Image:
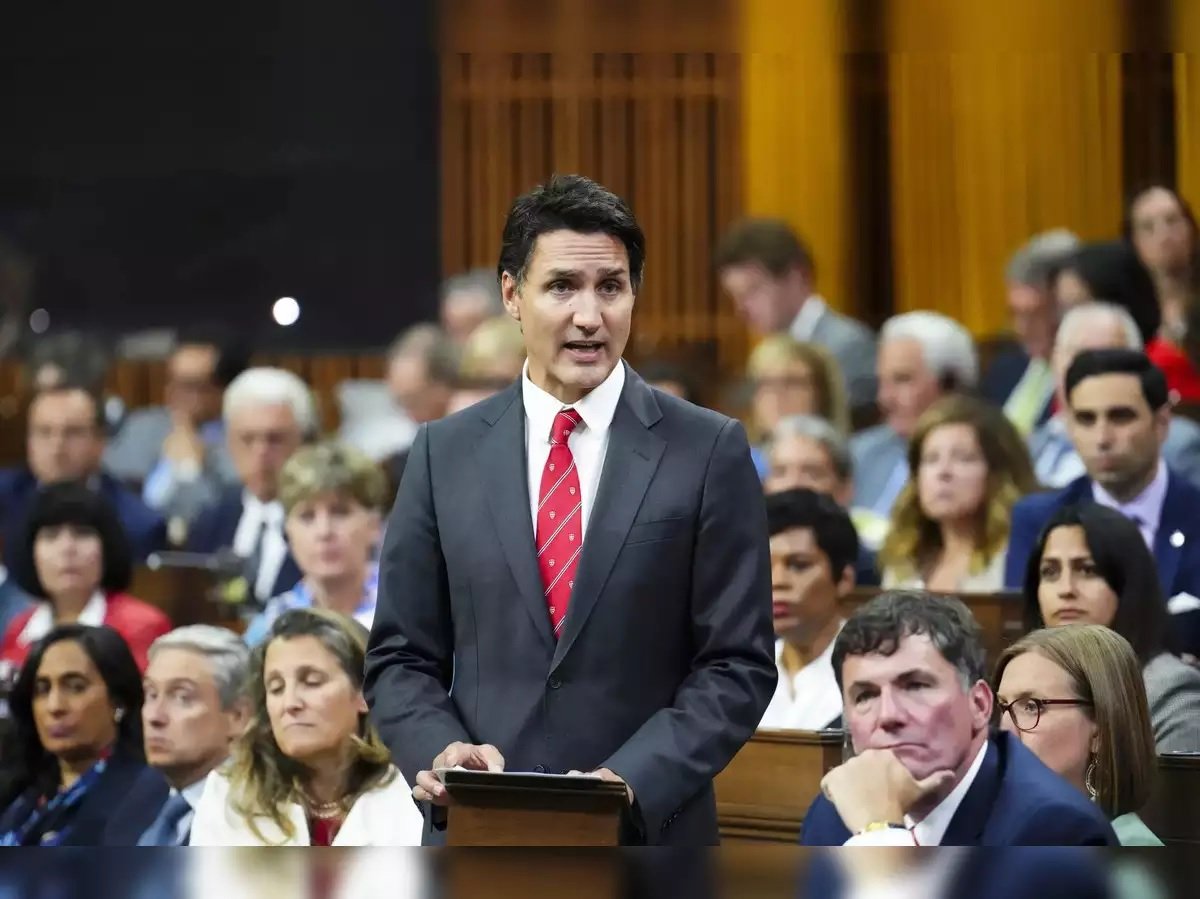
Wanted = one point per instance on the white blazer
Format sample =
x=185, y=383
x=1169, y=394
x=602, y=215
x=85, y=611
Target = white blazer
x=386, y=816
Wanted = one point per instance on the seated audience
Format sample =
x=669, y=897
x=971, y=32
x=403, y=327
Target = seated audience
x=422, y=368
x=926, y=772
x=1099, y=326
x=1160, y=227
x=75, y=746
x=268, y=414
x=333, y=497
x=923, y=356
x=1091, y=565
x=492, y=358
x=671, y=378
x=13, y=600
x=1118, y=418
x=1074, y=696
x=65, y=442
x=467, y=301
x=194, y=709
x=310, y=770
x=176, y=452
x=1021, y=380
x=74, y=559
x=949, y=528
x=771, y=276
x=813, y=549
x=808, y=452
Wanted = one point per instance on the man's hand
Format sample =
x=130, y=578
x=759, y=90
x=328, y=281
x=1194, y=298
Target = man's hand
x=876, y=787
x=613, y=778
x=456, y=755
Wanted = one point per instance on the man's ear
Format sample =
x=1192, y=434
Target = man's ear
x=510, y=291
x=847, y=581
x=981, y=704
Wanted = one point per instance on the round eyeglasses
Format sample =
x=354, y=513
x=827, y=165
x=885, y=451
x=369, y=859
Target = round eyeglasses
x=1026, y=713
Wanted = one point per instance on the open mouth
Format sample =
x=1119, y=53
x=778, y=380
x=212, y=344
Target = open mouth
x=584, y=350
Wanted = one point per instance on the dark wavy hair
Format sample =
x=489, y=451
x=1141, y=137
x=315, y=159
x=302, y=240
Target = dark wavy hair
x=26, y=763
x=74, y=504
x=1114, y=274
x=1125, y=563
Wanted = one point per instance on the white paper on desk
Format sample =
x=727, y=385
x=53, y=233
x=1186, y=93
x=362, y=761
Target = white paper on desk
x=1182, y=602
x=440, y=773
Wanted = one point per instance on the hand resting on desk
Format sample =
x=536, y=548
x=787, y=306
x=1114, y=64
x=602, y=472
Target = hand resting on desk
x=457, y=755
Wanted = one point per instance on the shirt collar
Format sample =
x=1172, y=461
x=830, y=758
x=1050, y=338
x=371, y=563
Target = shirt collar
x=192, y=792
x=596, y=408
x=932, y=828
x=805, y=322
x=271, y=512
x=1146, y=507
x=41, y=622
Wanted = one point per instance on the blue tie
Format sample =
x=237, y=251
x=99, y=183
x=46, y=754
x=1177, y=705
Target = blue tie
x=165, y=829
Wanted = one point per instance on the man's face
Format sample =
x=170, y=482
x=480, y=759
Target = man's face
x=1034, y=319
x=411, y=388
x=913, y=702
x=804, y=588
x=804, y=462
x=63, y=441
x=575, y=307
x=463, y=311
x=192, y=390
x=261, y=439
x=1116, y=433
x=767, y=303
x=907, y=387
x=187, y=732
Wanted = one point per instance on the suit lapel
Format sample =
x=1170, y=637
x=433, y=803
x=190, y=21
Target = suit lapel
x=1172, y=530
x=967, y=826
x=502, y=462
x=629, y=465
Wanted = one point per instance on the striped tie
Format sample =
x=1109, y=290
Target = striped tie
x=559, y=520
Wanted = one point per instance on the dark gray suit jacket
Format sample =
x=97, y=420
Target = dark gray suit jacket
x=665, y=664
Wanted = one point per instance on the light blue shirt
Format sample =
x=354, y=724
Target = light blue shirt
x=301, y=597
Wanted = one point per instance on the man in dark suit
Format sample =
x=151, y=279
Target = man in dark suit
x=1119, y=416
x=268, y=414
x=575, y=574
x=1021, y=379
x=917, y=706
x=65, y=442
x=195, y=707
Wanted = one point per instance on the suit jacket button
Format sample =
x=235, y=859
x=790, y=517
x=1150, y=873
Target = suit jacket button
x=540, y=769
x=555, y=683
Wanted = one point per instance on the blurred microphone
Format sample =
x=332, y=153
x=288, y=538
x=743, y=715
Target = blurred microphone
x=224, y=563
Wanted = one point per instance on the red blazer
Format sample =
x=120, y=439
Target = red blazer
x=138, y=622
x=1181, y=374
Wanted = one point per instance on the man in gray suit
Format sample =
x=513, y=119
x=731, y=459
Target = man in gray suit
x=175, y=453
x=922, y=357
x=771, y=276
x=576, y=571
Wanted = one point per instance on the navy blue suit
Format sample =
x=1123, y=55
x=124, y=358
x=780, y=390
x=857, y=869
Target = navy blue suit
x=1002, y=377
x=1015, y=800
x=137, y=809
x=1061, y=872
x=1178, y=559
x=213, y=531
x=145, y=528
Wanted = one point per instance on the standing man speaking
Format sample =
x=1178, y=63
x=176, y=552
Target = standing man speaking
x=576, y=573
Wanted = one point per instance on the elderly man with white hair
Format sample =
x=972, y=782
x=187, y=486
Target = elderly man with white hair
x=268, y=414
x=1021, y=379
x=1099, y=326
x=922, y=356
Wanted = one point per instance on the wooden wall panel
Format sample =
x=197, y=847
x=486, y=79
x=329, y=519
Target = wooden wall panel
x=1185, y=32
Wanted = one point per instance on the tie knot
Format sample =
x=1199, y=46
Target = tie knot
x=564, y=423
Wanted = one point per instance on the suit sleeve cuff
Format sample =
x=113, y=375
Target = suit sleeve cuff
x=893, y=836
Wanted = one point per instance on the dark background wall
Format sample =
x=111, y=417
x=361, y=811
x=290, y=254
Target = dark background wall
x=154, y=158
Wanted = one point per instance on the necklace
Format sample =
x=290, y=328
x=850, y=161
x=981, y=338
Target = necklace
x=326, y=811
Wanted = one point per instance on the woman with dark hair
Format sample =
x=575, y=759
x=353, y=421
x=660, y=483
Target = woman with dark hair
x=1160, y=227
x=75, y=558
x=1111, y=272
x=75, y=744
x=310, y=770
x=1091, y=566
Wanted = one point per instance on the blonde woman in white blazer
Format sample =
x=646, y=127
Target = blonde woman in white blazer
x=310, y=770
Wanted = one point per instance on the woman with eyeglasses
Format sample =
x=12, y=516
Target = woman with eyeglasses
x=1091, y=566
x=1074, y=695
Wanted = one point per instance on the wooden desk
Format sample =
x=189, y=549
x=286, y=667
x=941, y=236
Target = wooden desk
x=764, y=792
x=185, y=594
x=1173, y=812
x=1000, y=616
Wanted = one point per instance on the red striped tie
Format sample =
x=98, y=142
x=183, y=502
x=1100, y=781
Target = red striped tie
x=559, y=520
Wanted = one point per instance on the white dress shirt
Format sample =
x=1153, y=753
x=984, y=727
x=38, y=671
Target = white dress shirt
x=809, y=700
x=805, y=322
x=41, y=622
x=274, y=551
x=588, y=442
x=930, y=830
x=1145, y=509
